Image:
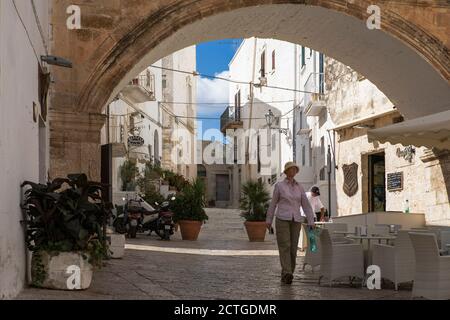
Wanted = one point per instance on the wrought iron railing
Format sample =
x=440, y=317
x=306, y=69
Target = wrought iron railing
x=314, y=86
x=230, y=115
x=146, y=81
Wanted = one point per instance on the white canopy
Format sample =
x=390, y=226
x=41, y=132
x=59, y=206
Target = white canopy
x=429, y=131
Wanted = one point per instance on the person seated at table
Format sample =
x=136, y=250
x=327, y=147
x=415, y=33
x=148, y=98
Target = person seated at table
x=314, y=199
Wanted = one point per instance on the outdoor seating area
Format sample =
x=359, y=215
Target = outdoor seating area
x=418, y=256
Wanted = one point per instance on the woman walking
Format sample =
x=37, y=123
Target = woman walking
x=288, y=197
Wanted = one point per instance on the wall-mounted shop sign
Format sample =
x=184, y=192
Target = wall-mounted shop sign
x=135, y=141
x=395, y=181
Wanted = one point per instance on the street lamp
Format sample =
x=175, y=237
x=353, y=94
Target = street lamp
x=270, y=118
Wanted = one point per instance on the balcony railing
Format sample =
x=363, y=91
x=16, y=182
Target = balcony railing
x=315, y=86
x=231, y=119
x=141, y=89
x=146, y=81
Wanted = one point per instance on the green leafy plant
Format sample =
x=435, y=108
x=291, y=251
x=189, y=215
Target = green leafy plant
x=128, y=173
x=147, y=185
x=190, y=202
x=254, y=201
x=66, y=215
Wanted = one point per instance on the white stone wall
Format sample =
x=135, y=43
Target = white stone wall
x=182, y=88
x=246, y=66
x=19, y=134
x=353, y=98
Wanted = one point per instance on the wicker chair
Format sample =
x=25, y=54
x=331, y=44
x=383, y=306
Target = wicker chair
x=432, y=275
x=396, y=262
x=313, y=259
x=340, y=260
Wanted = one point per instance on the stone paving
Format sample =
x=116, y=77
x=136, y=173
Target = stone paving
x=222, y=264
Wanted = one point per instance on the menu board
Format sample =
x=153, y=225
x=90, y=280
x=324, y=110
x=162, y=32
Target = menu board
x=395, y=181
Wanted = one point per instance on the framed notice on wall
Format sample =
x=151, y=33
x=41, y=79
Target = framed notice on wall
x=395, y=181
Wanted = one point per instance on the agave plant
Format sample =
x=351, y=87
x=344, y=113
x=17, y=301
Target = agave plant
x=190, y=202
x=254, y=201
x=66, y=215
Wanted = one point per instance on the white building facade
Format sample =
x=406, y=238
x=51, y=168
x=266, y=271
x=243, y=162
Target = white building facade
x=281, y=72
x=179, y=112
x=136, y=112
x=152, y=119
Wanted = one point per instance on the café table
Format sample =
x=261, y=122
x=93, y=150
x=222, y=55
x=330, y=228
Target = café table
x=369, y=238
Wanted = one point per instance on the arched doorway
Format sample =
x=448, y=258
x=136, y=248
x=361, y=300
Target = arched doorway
x=407, y=59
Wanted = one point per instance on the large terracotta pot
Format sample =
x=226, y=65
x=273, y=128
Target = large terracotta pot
x=256, y=230
x=190, y=229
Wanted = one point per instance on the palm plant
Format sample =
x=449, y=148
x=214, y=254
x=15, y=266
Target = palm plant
x=190, y=202
x=254, y=201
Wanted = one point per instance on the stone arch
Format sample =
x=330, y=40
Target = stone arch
x=408, y=59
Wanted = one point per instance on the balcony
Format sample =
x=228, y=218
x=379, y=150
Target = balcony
x=314, y=100
x=231, y=119
x=141, y=89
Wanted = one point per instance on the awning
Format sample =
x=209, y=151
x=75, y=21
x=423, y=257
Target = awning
x=431, y=131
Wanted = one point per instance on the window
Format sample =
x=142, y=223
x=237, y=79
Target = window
x=322, y=145
x=274, y=142
x=164, y=81
x=259, y=152
x=300, y=120
x=303, y=155
x=303, y=57
x=273, y=60
x=235, y=150
x=310, y=152
x=321, y=74
x=237, y=105
x=263, y=64
x=322, y=174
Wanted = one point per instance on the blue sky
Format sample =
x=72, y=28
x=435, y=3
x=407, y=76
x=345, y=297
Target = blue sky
x=213, y=59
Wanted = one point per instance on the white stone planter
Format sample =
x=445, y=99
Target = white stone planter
x=116, y=245
x=61, y=271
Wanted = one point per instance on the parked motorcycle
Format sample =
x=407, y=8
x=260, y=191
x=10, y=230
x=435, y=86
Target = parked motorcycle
x=129, y=216
x=136, y=216
x=163, y=224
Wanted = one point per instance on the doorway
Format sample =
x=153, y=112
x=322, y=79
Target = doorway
x=222, y=187
x=377, y=182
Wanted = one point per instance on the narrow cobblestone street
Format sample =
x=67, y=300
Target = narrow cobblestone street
x=222, y=264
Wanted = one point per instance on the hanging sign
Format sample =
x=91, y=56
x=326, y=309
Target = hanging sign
x=135, y=141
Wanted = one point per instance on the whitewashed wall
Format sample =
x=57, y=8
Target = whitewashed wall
x=19, y=134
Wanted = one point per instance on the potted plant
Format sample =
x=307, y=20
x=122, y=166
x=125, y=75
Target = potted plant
x=64, y=222
x=188, y=209
x=254, y=203
x=128, y=173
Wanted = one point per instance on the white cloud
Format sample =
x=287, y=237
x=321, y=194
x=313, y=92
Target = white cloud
x=212, y=91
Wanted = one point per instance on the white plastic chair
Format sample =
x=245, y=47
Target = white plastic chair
x=340, y=260
x=432, y=272
x=396, y=262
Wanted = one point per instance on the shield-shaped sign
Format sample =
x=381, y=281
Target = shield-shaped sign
x=350, y=179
